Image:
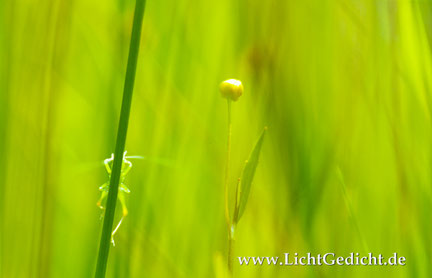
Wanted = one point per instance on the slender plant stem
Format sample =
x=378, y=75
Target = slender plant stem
x=231, y=241
x=231, y=231
x=105, y=240
x=227, y=217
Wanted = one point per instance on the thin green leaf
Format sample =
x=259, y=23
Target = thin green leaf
x=105, y=239
x=246, y=179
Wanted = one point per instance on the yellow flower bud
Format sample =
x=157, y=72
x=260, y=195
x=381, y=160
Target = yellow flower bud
x=231, y=89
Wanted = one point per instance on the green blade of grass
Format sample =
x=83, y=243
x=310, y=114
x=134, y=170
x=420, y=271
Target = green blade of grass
x=121, y=139
x=246, y=179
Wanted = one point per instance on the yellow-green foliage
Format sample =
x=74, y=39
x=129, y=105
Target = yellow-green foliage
x=344, y=86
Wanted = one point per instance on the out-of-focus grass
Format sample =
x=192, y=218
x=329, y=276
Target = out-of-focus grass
x=341, y=84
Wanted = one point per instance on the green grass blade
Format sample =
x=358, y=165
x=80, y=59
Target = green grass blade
x=246, y=179
x=121, y=140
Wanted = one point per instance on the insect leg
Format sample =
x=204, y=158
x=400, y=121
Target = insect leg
x=128, y=166
x=104, y=189
x=107, y=162
x=121, y=197
x=124, y=188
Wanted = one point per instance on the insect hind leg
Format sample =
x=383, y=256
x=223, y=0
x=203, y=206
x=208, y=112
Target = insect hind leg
x=125, y=212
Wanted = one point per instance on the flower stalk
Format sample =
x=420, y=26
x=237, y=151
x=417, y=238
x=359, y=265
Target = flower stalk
x=232, y=89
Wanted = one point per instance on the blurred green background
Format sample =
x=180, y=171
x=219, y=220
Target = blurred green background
x=344, y=87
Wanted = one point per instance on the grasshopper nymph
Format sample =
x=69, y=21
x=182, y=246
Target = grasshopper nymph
x=123, y=189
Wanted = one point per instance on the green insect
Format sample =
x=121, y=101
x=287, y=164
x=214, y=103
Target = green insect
x=123, y=189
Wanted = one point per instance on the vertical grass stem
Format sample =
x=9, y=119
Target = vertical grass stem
x=105, y=240
x=227, y=216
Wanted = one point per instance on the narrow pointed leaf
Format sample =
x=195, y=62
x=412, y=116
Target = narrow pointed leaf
x=247, y=176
